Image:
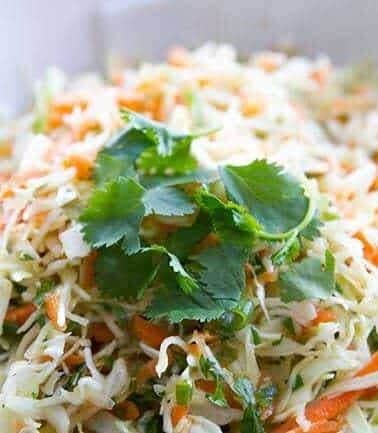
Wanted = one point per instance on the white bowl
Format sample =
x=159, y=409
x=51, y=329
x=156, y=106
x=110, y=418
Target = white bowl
x=76, y=35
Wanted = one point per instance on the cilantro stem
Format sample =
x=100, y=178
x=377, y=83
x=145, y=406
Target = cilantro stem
x=280, y=236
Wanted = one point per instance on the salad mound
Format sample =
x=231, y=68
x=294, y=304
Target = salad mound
x=192, y=247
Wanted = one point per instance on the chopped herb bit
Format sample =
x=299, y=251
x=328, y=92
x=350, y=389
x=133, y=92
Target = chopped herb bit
x=184, y=392
x=298, y=382
x=373, y=340
x=25, y=257
x=251, y=422
x=278, y=341
x=45, y=287
x=256, y=336
x=289, y=325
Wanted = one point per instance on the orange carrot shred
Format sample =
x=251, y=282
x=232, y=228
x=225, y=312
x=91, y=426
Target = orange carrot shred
x=146, y=372
x=151, y=334
x=328, y=409
x=130, y=411
x=19, y=315
x=82, y=164
x=100, y=333
x=73, y=360
x=178, y=413
x=323, y=315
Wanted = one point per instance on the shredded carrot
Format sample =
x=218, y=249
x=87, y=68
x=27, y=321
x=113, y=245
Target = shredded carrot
x=130, y=411
x=131, y=100
x=73, y=360
x=194, y=349
x=178, y=413
x=151, y=334
x=51, y=308
x=323, y=315
x=370, y=250
x=146, y=372
x=330, y=408
x=205, y=385
x=87, y=271
x=82, y=164
x=100, y=333
x=19, y=315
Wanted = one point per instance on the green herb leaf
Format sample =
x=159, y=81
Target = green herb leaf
x=312, y=230
x=222, y=281
x=275, y=198
x=124, y=276
x=114, y=213
x=182, y=242
x=163, y=138
x=179, y=161
x=222, y=275
x=168, y=201
x=232, y=222
x=308, y=279
x=109, y=167
x=200, y=176
x=176, y=306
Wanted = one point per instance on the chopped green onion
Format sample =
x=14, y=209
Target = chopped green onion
x=184, y=392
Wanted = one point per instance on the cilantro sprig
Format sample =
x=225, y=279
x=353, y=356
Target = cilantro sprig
x=147, y=172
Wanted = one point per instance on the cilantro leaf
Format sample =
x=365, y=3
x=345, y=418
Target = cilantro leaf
x=168, y=201
x=275, y=198
x=176, y=306
x=178, y=161
x=222, y=275
x=182, y=242
x=109, y=167
x=124, y=276
x=200, y=175
x=230, y=221
x=128, y=275
x=114, y=213
x=308, y=279
x=221, y=279
x=185, y=281
x=163, y=138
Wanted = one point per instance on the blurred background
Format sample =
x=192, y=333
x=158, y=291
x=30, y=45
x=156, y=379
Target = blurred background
x=79, y=35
